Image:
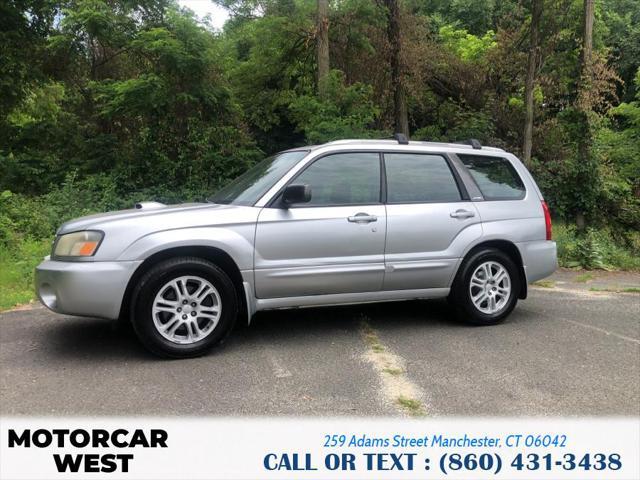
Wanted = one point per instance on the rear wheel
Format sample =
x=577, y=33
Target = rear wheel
x=486, y=289
x=183, y=307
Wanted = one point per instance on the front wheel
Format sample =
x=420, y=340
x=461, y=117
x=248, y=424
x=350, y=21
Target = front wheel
x=183, y=307
x=486, y=289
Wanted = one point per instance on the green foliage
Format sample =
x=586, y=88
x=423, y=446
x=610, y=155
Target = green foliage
x=617, y=144
x=24, y=25
x=601, y=185
x=271, y=62
x=16, y=271
x=22, y=218
x=476, y=16
x=455, y=122
x=620, y=24
x=588, y=252
x=42, y=103
x=345, y=112
x=467, y=46
x=518, y=101
x=597, y=248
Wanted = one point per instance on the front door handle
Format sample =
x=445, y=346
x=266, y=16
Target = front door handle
x=362, y=218
x=462, y=214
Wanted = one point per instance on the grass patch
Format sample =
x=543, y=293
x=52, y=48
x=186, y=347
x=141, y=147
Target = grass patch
x=545, y=284
x=16, y=272
x=602, y=289
x=584, y=277
x=392, y=371
x=371, y=338
x=616, y=290
x=411, y=406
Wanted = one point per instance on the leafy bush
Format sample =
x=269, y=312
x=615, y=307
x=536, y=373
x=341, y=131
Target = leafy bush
x=465, y=45
x=22, y=218
x=597, y=248
x=16, y=271
x=345, y=112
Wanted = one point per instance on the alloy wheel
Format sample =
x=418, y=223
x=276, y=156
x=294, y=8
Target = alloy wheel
x=490, y=287
x=186, y=309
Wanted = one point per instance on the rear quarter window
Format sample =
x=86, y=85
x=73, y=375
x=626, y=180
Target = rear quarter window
x=495, y=176
x=419, y=178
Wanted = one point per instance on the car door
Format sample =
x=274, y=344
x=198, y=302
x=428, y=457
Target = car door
x=332, y=244
x=430, y=221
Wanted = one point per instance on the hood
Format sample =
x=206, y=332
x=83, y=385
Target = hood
x=142, y=213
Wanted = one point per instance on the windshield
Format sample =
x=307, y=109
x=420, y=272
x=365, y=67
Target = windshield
x=249, y=187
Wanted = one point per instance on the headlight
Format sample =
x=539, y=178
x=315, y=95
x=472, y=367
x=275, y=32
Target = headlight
x=78, y=244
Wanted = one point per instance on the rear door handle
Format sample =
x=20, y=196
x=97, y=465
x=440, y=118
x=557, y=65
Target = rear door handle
x=462, y=214
x=362, y=218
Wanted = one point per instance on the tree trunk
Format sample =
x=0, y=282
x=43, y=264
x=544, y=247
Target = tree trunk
x=322, y=46
x=532, y=67
x=584, y=140
x=401, y=120
x=587, y=41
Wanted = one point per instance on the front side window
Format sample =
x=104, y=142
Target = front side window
x=419, y=178
x=495, y=176
x=249, y=187
x=343, y=179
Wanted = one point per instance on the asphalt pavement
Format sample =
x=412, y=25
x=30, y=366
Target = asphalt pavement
x=566, y=350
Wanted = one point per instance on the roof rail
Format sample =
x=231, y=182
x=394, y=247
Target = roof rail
x=473, y=142
x=401, y=138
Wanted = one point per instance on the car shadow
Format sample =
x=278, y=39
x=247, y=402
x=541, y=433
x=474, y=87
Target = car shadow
x=324, y=323
x=104, y=340
x=94, y=339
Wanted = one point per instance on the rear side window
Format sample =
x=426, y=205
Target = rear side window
x=418, y=178
x=495, y=176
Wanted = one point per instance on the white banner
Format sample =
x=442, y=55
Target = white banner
x=340, y=448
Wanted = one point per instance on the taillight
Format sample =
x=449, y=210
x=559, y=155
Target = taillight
x=547, y=219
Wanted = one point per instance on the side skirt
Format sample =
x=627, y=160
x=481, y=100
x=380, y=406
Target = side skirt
x=348, y=298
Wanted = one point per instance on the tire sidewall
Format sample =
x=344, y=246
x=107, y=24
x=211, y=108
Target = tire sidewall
x=159, y=276
x=463, y=299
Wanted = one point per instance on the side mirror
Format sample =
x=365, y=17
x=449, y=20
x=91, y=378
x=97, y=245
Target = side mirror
x=300, y=193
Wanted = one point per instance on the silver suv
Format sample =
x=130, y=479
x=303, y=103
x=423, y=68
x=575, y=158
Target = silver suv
x=351, y=221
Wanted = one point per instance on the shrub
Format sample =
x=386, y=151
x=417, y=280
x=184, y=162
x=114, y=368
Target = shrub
x=597, y=248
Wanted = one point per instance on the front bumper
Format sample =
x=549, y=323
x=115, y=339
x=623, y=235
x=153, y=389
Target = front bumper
x=91, y=289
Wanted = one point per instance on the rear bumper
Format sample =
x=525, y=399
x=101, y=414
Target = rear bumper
x=539, y=258
x=92, y=289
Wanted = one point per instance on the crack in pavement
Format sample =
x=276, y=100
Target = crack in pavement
x=602, y=330
x=397, y=389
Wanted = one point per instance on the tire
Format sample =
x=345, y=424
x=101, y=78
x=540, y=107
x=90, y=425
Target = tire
x=166, y=305
x=483, y=312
